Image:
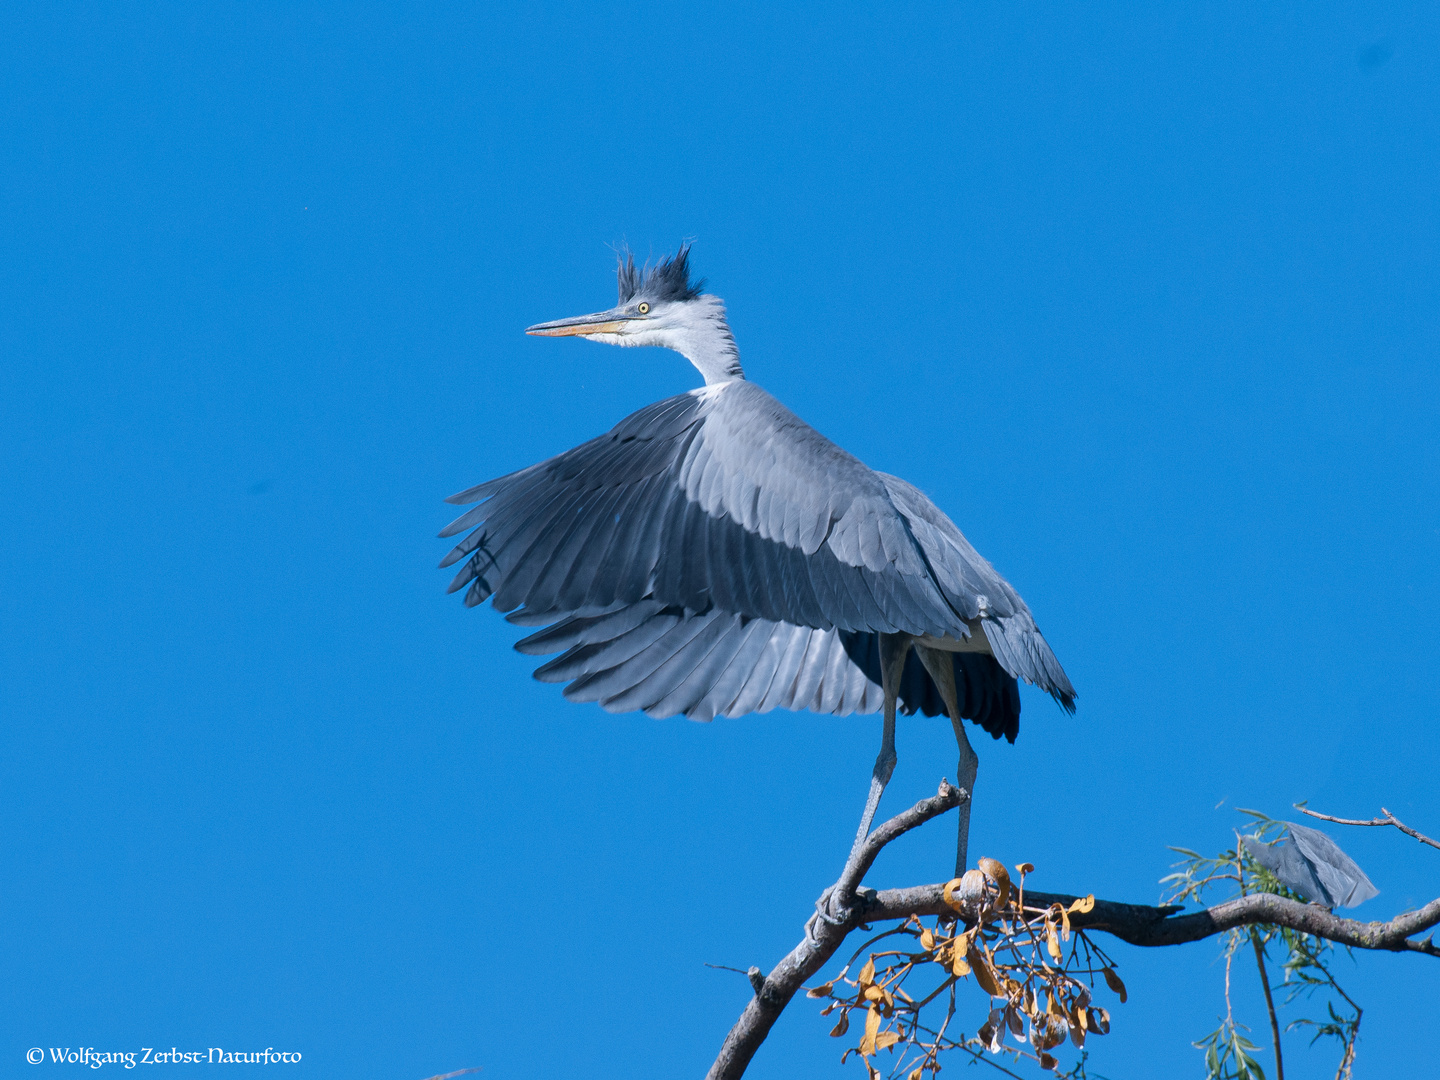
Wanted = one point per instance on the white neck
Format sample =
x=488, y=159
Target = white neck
x=700, y=333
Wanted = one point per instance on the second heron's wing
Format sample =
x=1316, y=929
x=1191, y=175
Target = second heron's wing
x=1345, y=883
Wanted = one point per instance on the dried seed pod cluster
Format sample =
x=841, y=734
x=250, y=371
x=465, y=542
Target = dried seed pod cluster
x=1037, y=970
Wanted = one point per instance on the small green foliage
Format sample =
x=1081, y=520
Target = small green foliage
x=1230, y=1055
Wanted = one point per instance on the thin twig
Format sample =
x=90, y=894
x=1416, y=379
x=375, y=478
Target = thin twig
x=1388, y=819
x=1229, y=1012
x=1269, y=1002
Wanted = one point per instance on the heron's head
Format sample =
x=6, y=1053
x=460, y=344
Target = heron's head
x=660, y=305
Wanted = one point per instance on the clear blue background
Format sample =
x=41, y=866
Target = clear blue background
x=1146, y=300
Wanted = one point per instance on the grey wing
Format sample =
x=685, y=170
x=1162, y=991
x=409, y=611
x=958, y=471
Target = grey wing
x=1345, y=884
x=668, y=661
x=972, y=586
x=1290, y=868
x=718, y=498
x=718, y=509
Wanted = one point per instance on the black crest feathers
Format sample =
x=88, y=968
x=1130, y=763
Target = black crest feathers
x=666, y=281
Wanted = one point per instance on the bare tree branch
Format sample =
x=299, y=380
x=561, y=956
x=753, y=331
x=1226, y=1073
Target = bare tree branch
x=1269, y=1002
x=1388, y=819
x=1149, y=927
x=841, y=910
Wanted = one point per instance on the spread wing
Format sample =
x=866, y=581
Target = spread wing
x=667, y=661
x=722, y=500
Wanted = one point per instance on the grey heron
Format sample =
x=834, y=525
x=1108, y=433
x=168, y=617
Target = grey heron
x=1308, y=862
x=713, y=555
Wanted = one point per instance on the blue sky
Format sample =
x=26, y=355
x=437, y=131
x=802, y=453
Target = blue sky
x=1145, y=299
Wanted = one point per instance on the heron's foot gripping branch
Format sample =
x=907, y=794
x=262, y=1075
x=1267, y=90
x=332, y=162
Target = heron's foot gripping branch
x=846, y=903
x=835, y=909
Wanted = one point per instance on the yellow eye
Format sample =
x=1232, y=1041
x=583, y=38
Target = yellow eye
x=644, y=308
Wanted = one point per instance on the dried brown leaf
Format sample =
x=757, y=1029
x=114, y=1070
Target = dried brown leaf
x=1047, y=1033
x=958, y=967
x=821, y=991
x=949, y=893
x=872, y=1028
x=991, y=1036
x=1012, y=1018
x=1099, y=1020
x=1113, y=981
x=842, y=1025
x=996, y=872
x=983, y=975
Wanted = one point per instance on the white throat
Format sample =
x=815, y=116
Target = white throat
x=699, y=331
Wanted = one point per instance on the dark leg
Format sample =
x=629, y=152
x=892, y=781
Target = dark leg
x=893, y=649
x=942, y=670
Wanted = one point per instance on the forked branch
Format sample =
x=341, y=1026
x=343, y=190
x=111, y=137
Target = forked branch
x=840, y=910
x=1388, y=819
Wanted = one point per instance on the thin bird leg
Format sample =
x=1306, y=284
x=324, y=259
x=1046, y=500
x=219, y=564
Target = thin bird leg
x=942, y=669
x=893, y=649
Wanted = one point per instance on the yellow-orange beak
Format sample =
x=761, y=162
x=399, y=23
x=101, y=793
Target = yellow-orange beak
x=602, y=322
x=580, y=329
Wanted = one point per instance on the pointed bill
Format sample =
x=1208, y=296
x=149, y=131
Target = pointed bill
x=614, y=321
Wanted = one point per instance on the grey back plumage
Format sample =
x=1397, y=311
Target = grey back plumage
x=712, y=538
x=1309, y=863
